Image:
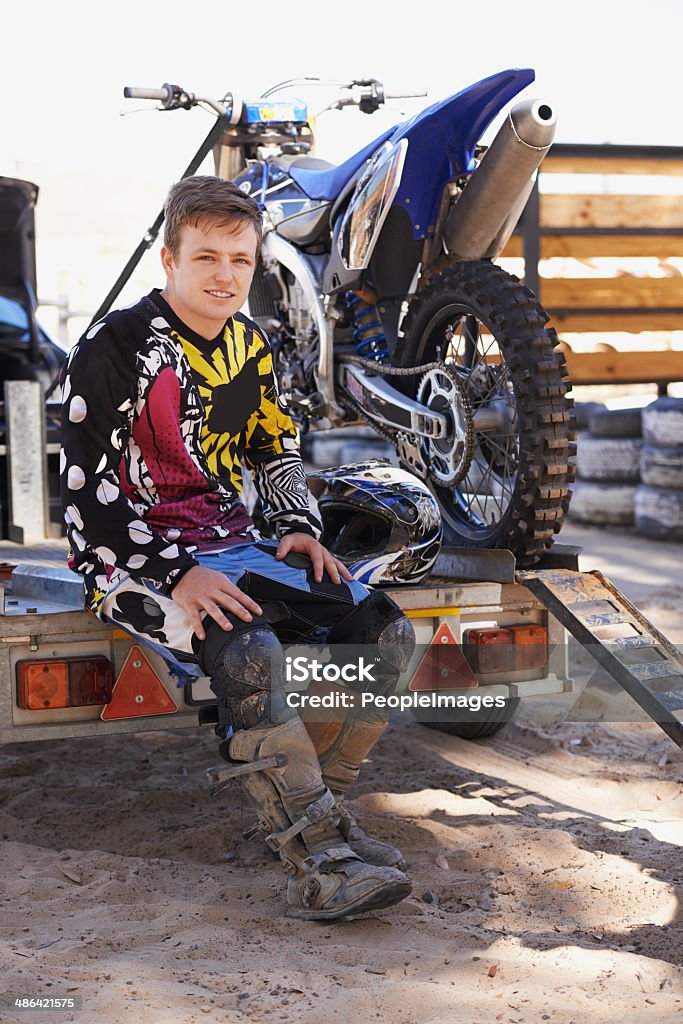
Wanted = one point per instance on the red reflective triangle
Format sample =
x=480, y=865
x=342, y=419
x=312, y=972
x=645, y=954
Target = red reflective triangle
x=138, y=691
x=443, y=666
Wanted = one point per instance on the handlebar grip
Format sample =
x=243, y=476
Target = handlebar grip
x=132, y=92
x=404, y=95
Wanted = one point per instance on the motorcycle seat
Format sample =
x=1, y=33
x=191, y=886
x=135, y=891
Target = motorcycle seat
x=326, y=184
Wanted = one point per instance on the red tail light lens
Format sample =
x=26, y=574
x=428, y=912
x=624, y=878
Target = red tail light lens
x=90, y=681
x=63, y=683
x=490, y=650
x=507, y=649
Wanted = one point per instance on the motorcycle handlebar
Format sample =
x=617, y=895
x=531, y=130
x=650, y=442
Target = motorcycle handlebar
x=372, y=96
x=174, y=97
x=404, y=95
x=134, y=92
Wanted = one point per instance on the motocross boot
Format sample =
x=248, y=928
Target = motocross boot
x=327, y=879
x=272, y=755
x=342, y=746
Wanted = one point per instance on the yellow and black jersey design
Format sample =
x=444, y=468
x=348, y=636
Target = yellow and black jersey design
x=246, y=421
x=243, y=414
x=155, y=422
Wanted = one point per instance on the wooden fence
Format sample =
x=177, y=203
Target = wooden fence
x=608, y=225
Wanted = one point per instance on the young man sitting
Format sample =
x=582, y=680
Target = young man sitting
x=162, y=403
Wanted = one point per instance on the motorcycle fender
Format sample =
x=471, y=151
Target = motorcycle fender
x=442, y=140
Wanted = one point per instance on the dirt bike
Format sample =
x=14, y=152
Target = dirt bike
x=377, y=288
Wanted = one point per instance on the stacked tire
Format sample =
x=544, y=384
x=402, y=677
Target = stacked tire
x=659, y=498
x=608, y=466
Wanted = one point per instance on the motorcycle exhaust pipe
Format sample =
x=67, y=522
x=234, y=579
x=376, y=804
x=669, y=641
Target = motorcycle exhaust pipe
x=488, y=208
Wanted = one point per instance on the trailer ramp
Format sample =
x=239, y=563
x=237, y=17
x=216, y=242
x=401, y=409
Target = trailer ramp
x=634, y=653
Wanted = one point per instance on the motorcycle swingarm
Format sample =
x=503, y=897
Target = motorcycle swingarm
x=382, y=403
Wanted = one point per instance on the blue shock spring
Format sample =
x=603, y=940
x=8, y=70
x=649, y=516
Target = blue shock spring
x=367, y=329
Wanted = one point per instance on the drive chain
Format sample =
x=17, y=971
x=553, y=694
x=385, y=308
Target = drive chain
x=390, y=434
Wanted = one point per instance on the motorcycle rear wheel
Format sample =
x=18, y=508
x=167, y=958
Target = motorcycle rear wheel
x=491, y=329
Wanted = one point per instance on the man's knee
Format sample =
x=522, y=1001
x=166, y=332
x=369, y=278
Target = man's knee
x=377, y=626
x=246, y=667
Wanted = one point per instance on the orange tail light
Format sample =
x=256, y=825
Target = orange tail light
x=507, y=649
x=531, y=647
x=63, y=683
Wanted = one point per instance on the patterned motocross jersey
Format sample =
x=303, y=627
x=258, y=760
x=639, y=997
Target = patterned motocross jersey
x=156, y=425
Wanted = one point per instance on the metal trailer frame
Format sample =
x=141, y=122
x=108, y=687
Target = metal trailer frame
x=43, y=616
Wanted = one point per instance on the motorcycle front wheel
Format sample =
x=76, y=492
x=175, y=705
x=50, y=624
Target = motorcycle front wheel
x=492, y=331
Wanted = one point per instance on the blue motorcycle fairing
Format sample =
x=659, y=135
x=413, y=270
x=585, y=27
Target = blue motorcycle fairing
x=328, y=184
x=295, y=216
x=442, y=138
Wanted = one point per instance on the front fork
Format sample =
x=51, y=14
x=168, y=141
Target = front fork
x=276, y=249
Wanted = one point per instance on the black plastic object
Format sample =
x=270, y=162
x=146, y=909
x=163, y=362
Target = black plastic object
x=17, y=237
x=18, y=249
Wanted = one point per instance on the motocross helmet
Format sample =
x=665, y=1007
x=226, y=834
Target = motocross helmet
x=382, y=522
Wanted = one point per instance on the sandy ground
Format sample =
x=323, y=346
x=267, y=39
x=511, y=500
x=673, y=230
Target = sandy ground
x=545, y=863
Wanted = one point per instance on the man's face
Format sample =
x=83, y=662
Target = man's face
x=209, y=278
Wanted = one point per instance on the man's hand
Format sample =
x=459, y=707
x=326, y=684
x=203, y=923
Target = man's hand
x=203, y=589
x=321, y=558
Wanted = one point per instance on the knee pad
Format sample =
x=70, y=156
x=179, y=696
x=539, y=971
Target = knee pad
x=378, y=627
x=396, y=642
x=250, y=662
x=246, y=667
